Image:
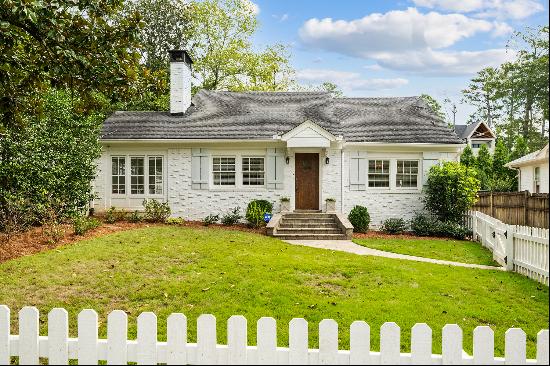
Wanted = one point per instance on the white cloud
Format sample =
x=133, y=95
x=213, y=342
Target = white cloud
x=445, y=63
x=397, y=30
x=373, y=67
x=407, y=40
x=502, y=9
x=254, y=8
x=347, y=80
x=280, y=18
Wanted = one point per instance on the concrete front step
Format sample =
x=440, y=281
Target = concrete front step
x=310, y=237
x=310, y=231
x=310, y=225
x=309, y=216
x=329, y=220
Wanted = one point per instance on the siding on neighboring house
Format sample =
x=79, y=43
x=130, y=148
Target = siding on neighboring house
x=527, y=178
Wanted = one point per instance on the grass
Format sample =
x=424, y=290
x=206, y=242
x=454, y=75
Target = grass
x=445, y=249
x=207, y=270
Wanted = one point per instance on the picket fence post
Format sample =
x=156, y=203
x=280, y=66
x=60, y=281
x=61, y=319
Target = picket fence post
x=509, y=247
x=4, y=335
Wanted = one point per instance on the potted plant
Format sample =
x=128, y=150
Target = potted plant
x=285, y=204
x=331, y=204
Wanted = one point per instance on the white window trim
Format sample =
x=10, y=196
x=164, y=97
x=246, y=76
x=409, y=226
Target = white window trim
x=127, y=161
x=418, y=176
x=393, y=188
x=389, y=173
x=111, y=176
x=155, y=175
x=242, y=171
x=237, y=169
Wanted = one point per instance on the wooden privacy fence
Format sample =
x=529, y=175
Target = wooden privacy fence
x=58, y=348
x=521, y=249
x=515, y=208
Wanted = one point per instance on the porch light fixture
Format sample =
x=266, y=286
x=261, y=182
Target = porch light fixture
x=327, y=160
x=287, y=160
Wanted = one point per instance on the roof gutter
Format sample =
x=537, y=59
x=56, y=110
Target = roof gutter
x=180, y=141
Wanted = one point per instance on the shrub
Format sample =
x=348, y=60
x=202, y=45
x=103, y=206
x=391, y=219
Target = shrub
x=453, y=230
x=135, y=217
x=330, y=199
x=113, y=215
x=210, y=219
x=424, y=225
x=451, y=191
x=394, y=226
x=359, y=218
x=156, y=211
x=232, y=217
x=285, y=199
x=83, y=224
x=256, y=210
x=175, y=221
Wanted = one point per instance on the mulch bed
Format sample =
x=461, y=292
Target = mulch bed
x=380, y=235
x=34, y=241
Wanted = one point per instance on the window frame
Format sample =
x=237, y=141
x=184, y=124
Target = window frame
x=161, y=175
x=418, y=168
x=234, y=171
x=124, y=175
x=388, y=160
x=243, y=172
x=127, y=156
x=144, y=175
x=536, y=179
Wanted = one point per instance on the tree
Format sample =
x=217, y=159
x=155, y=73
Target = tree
x=467, y=157
x=219, y=41
x=484, y=166
x=88, y=47
x=51, y=168
x=331, y=88
x=451, y=191
x=165, y=27
x=502, y=178
x=482, y=94
x=434, y=105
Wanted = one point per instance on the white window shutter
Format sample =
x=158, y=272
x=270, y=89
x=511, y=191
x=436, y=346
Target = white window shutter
x=199, y=168
x=358, y=171
x=275, y=168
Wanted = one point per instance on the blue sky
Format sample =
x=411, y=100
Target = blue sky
x=396, y=48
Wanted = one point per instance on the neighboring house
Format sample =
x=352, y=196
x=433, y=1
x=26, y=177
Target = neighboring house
x=476, y=135
x=532, y=171
x=219, y=150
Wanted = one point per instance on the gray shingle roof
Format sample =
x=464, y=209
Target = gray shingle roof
x=463, y=131
x=260, y=115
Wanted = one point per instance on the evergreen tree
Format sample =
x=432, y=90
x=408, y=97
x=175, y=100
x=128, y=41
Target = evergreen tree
x=484, y=165
x=467, y=158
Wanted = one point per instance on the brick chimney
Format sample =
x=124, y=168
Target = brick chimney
x=180, y=81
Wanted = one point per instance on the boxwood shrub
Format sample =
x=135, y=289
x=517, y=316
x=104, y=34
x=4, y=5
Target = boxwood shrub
x=359, y=218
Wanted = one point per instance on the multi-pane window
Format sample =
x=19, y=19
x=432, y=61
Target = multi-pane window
x=253, y=171
x=223, y=171
x=137, y=175
x=407, y=173
x=379, y=173
x=118, y=164
x=155, y=174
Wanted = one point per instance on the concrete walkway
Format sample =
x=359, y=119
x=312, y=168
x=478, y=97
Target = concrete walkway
x=351, y=247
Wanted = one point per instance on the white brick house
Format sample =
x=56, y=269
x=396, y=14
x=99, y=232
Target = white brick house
x=222, y=149
x=532, y=171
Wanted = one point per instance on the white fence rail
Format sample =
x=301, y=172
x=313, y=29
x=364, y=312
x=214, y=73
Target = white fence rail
x=521, y=249
x=58, y=348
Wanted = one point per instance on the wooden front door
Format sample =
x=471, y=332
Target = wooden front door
x=307, y=181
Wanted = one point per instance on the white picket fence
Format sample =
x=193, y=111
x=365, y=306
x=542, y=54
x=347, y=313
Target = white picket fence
x=521, y=249
x=58, y=348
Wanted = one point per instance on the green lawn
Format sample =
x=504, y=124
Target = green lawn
x=194, y=271
x=451, y=250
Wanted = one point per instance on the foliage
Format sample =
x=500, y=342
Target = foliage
x=16, y=215
x=434, y=105
x=86, y=46
x=232, y=217
x=51, y=224
x=513, y=98
x=450, y=190
x=49, y=162
x=113, y=215
x=436, y=248
x=227, y=272
x=175, y=221
x=453, y=230
x=467, y=157
x=359, y=218
x=484, y=167
x=424, y=225
x=285, y=199
x=156, y=211
x=330, y=199
x=394, y=226
x=255, y=212
x=220, y=43
x=210, y=219
x=83, y=224
x=135, y=217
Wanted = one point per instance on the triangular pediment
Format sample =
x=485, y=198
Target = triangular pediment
x=482, y=131
x=308, y=134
